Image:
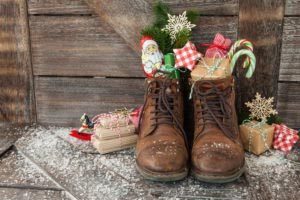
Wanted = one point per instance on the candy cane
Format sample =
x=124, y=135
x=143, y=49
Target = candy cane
x=250, y=66
x=250, y=60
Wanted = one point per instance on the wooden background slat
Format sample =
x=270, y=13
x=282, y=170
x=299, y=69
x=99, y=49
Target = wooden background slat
x=261, y=23
x=58, y=7
x=205, y=7
x=85, y=46
x=61, y=101
x=80, y=46
x=290, y=54
x=289, y=103
x=16, y=83
x=292, y=7
x=68, y=39
x=126, y=17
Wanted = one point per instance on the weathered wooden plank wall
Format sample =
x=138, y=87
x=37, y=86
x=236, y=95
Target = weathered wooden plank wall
x=261, y=23
x=289, y=77
x=16, y=83
x=77, y=55
x=72, y=47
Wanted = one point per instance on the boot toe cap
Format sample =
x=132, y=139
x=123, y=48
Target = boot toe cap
x=217, y=161
x=163, y=159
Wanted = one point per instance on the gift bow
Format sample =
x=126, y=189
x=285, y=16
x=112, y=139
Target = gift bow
x=219, y=47
x=284, y=138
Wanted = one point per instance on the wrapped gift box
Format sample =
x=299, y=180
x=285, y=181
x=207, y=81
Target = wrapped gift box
x=115, y=144
x=112, y=120
x=256, y=137
x=107, y=140
x=211, y=68
x=111, y=133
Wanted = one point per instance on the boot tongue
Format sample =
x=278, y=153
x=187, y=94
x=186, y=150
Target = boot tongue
x=159, y=81
x=219, y=83
x=217, y=110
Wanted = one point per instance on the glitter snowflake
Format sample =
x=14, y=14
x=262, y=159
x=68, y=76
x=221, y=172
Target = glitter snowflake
x=177, y=24
x=261, y=108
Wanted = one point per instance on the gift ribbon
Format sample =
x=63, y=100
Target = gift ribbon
x=220, y=45
x=210, y=70
x=262, y=133
x=168, y=67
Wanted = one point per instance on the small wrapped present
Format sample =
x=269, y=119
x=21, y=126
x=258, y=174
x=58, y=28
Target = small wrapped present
x=211, y=69
x=257, y=137
x=116, y=144
x=218, y=48
x=284, y=138
x=116, y=130
x=107, y=140
x=122, y=131
x=112, y=120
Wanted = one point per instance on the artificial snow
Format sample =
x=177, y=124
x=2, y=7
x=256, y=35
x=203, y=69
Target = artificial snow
x=113, y=176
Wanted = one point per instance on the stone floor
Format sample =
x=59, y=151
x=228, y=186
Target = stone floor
x=41, y=164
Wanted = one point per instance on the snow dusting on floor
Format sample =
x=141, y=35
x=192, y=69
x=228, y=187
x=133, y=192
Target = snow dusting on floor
x=113, y=176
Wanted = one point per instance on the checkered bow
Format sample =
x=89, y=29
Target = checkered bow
x=218, y=48
x=284, y=138
x=187, y=56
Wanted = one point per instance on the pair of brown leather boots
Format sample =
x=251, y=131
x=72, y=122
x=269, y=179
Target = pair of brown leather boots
x=164, y=152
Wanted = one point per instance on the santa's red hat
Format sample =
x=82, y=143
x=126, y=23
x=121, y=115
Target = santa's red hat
x=146, y=40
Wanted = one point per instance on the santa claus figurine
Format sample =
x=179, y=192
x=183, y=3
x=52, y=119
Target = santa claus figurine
x=151, y=56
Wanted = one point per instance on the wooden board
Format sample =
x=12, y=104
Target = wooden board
x=289, y=103
x=114, y=176
x=58, y=7
x=18, y=172
x=80, y=46
x=290, y=53
x=206, y=7
x=292, y=7
x=261, y=23
x=126, y=17
x=62, y=101
x=16, y=98
x=207, y=27
x=31, y=194
x=85, y=46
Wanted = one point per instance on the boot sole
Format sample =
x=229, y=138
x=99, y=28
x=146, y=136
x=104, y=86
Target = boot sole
x=162, y=177
x=218, y=179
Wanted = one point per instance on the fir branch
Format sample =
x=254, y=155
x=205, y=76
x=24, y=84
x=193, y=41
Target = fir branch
x=182, y=38
x=192, y=16
x=160, y=11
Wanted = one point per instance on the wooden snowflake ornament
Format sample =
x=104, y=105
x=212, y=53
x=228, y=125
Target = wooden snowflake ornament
x=177, y=24
x=261, y=108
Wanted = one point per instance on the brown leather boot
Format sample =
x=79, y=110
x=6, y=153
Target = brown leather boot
x=161, y=152
x=217, y=153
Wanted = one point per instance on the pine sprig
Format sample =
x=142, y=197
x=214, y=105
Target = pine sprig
x=160, y=11
x=192, y=16
x=182, y=38
x=163, y=39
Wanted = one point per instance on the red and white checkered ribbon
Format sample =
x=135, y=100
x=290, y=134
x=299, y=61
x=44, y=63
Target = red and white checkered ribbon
x=284, y=138
x=219, y=47
x=187, y=56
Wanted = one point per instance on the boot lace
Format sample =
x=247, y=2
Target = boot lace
x=165, y=103
x=214, y=108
